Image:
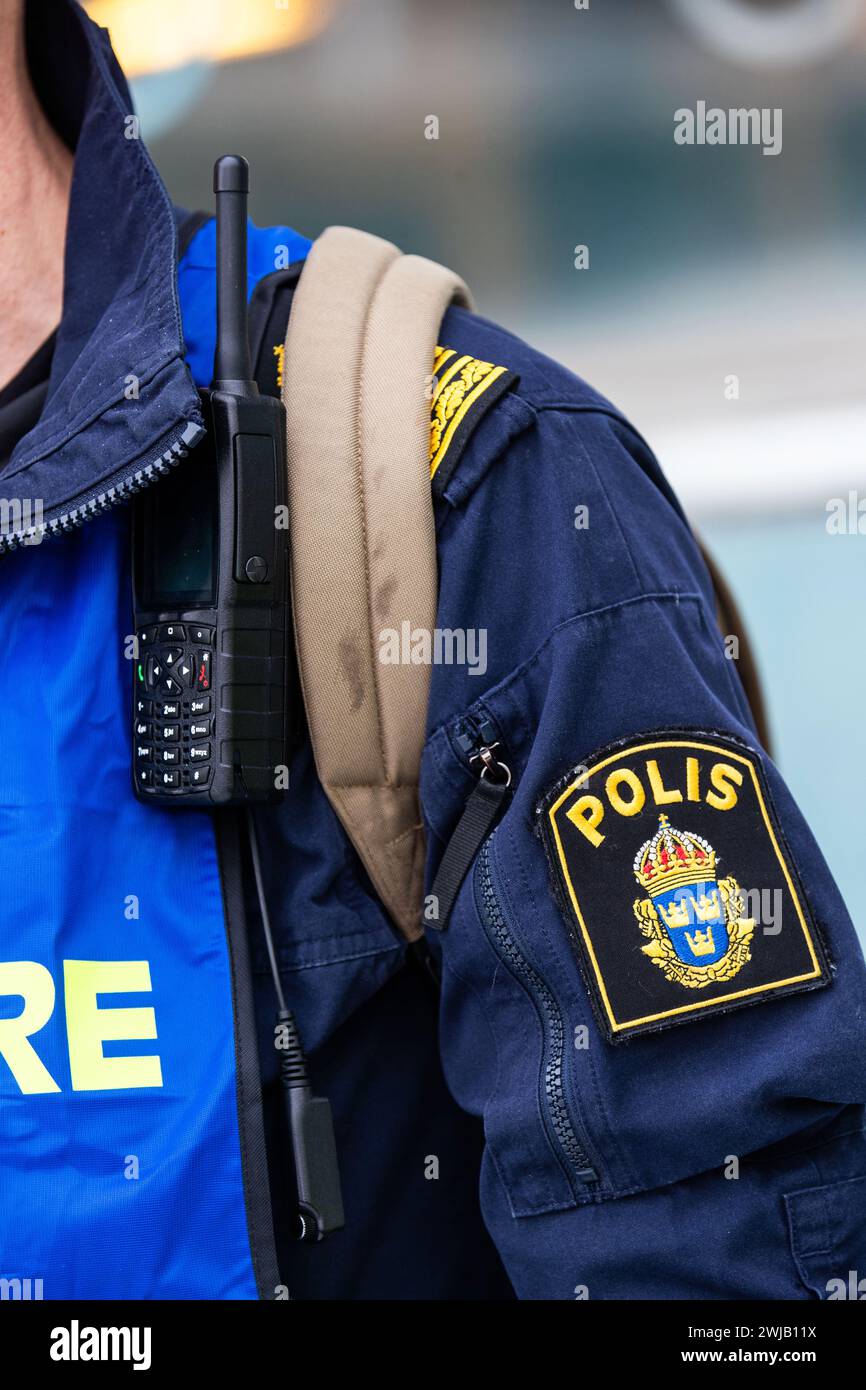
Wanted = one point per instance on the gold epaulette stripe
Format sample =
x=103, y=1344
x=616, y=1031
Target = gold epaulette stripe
x=440, y=356
x=459, y=383
x=448, y=370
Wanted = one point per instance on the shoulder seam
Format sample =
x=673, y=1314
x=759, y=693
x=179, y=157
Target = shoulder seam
x=579, y=408
x=597, y=472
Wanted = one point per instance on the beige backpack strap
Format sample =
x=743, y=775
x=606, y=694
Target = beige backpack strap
x=358, y=361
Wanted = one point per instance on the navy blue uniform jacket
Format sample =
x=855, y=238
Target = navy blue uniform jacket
x=642, y=1073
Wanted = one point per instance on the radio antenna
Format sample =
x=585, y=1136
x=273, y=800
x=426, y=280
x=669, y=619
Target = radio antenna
x=232, y=370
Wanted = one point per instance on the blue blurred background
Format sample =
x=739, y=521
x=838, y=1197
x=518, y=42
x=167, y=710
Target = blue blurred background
x=723, y=306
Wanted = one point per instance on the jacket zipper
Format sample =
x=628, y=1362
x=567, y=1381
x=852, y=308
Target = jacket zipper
x=99, y=502
x=497, y=928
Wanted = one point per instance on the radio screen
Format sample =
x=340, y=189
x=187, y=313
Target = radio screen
x=178, y=542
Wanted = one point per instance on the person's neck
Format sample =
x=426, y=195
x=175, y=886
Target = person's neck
x=35, y=179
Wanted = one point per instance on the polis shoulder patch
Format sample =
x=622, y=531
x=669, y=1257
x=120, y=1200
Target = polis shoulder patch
x=676, y=882
x=464, y=389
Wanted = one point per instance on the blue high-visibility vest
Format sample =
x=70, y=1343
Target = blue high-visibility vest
x=132, y=1157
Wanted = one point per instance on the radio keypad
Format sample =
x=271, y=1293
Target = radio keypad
x=172, y=748
x=183, y=671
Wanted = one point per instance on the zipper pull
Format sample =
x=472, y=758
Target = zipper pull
x=482, y=808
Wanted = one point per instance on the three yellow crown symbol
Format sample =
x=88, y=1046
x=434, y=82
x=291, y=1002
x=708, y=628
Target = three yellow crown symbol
x=701, y=944
x=707, y=906
x=680, y=914
x=675, y=914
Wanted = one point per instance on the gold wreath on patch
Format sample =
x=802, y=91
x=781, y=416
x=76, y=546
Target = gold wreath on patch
x=698, y=936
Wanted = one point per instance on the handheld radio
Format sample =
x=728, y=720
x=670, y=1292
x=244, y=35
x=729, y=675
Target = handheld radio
x=211, y=574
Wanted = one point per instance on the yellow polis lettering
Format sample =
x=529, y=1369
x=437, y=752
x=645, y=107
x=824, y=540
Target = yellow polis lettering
x=625, y=776
x=661, y=795
x=721, y=775
x=626, y=794
x=586, y=813
x=693, y=785
x=87, y=1025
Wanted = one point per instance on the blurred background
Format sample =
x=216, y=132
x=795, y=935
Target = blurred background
x=723, y=307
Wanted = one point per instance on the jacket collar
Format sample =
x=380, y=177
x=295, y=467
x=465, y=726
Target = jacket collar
x=120, y=397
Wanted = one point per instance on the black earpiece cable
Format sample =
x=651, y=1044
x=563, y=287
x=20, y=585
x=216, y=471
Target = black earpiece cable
x=311, y=1125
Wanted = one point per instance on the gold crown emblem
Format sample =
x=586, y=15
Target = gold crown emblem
x=672, y=858
x=689, y=909
x=701, y=943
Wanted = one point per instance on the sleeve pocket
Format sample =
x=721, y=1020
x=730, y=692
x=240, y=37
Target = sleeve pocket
x=827, y=1227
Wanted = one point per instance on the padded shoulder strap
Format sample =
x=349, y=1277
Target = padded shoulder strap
x=358, y=361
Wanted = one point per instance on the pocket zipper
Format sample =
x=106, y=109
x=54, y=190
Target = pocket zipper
x=498, y=930
x=481, y=747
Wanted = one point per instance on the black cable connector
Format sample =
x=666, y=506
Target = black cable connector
x=311, y=1126
x=309, y=1118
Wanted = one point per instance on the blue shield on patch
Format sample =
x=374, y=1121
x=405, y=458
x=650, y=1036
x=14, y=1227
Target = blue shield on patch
x=694, y=918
